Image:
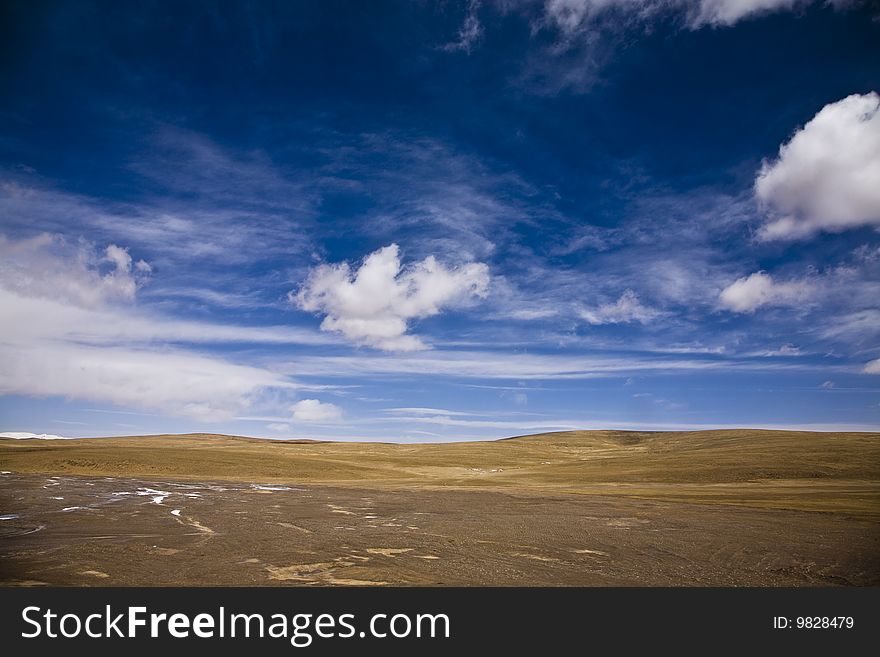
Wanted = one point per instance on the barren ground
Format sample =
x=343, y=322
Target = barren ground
x=576, y=508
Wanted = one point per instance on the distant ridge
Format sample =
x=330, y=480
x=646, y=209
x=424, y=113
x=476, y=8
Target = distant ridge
x=628, y=436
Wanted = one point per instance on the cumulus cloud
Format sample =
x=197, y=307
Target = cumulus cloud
x=373, y=305
x=628, y=308
x=47, y=267
x=749, y=293
x=312, y=410
x=873, y=367
x=827, y=176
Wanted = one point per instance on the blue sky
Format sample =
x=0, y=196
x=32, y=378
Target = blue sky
x=426, y=221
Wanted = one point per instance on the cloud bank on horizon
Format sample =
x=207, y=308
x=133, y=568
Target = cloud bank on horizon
x=502, y=222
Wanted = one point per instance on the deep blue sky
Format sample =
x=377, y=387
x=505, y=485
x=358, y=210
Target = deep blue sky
x=583, y=177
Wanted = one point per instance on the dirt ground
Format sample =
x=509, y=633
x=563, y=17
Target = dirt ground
x=597, y=508
x=73, y=530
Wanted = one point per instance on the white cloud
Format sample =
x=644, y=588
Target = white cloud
x=529, y=314
x=57, y=291
x=372, y=306
x=626, y=309
x=278, y=427
x=749, y=293
x=312, y=410
x=784, y=350
x=873, y=367
x=172, y=381
x=419, y=410
x=48, y=319
x=444, y=420
x=47, y=267
x=461, y=364
x=728, y=12
x=827, y=177
x=71, y=329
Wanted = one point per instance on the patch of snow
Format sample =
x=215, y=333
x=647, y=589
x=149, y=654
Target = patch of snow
x=26, y=435
x=157, y=495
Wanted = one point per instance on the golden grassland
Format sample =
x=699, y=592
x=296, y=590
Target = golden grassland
x=804, y=471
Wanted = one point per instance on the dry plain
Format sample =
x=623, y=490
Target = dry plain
x=594, y=508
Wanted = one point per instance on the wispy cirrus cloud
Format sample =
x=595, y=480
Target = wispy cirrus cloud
x=475, y=364
x=195, y=200
x=428, y=195
x=470, y=32
x=572, y=16
x=574, y=39
x=188, y=164
x=861, y=327
x=632, y=272
x=418, y=410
